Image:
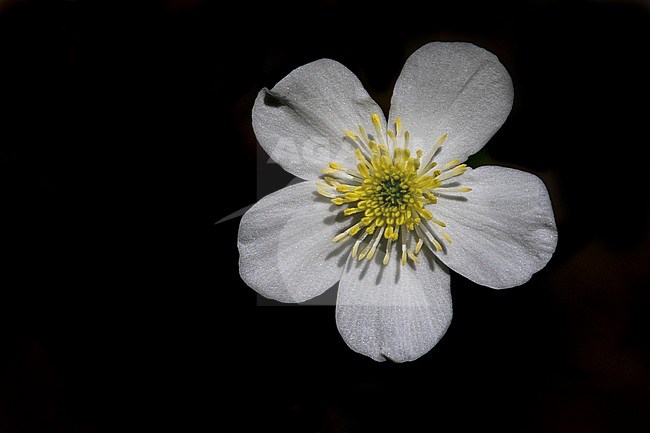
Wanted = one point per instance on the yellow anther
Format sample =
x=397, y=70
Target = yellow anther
x=432, y=199
x=338, y=201
x=351, y=211
x=363, y=133
x=351, y=135
x=388, y=249
x=335, y=166
x=363, y=170
x=418, y=246
x=359, y=155
x=326, y=193
x=456, y=171
x=375, y=241
x=391, y=135
x=355, y=248
x=413, y=257
x=451, y=163
x=437, y=221
x=398, y=126
x=366, y=221
x=397, y=154
x=446, y=236
x=426, y=214
x=429, y=167
x=377, y=124
x=426, y=182
x=342, y=188
x=448, y=190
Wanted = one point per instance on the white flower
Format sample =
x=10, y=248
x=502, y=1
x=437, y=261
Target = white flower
x=388, y=207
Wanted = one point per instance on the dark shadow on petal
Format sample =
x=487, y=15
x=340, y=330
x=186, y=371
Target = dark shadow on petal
x=398, y=274
x=428, y=259
x=436, y=236
x=448, y=196
x=273, y=100
x=317, y=198
x=337, y=218
x=412, y=265
x=378, y=259
x=364, y=271
x=351, y=262
x=350, y=141
x=343, y=259
x=330, y=220
x=339, y=251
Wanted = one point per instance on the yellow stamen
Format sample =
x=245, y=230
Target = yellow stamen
x=377, y=124
x=351, y=135
x=388, y=249
x=413, y=257
x=451, y=164
x=390, y=194
x=418, y=246
x=437, y=221
x=335, y=166
x=326, y=193
x=363, y=133
x=447, y=190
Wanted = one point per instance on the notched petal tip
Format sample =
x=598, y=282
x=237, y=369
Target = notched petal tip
x=300, y=121
x=271, y=99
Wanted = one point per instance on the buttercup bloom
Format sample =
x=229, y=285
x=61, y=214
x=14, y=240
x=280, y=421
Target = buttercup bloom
x=388, y=207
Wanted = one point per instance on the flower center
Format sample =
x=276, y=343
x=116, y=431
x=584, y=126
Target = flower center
x=388, y=192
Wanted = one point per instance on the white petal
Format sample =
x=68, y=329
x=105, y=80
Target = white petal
x=503, y=231
x=452, y=88
x=285, y=244
x=393, y=312
x=301, y=122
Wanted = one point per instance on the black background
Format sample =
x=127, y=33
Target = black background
x=121, y=308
